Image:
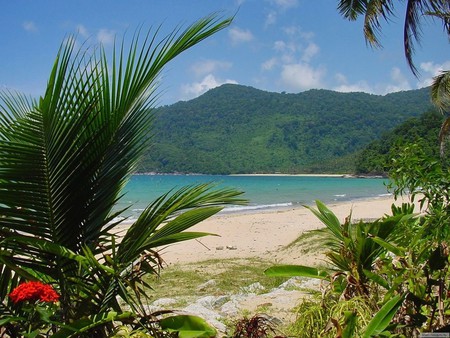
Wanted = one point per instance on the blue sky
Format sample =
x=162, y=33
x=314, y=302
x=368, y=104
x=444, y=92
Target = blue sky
x=273, y=45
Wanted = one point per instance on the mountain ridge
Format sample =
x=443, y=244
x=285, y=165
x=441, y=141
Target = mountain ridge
x=241, y=129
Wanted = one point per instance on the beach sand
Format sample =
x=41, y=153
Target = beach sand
x=264, y=233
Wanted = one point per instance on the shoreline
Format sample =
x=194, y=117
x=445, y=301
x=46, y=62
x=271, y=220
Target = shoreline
x=343, y=175
x=265, y=234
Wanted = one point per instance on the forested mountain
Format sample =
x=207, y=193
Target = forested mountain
x=239, y=129
x=376, y=157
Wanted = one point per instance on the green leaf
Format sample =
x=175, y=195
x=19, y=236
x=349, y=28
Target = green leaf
x=188, y=326
x=377, y=279
x=296, y=271
x=396, y=250
x=11, y=319
x=349, y=324
x=65, y=160
x=85, y=324
x=383, y=317
x=327, y=217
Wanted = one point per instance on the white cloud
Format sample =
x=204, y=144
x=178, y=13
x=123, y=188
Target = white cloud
x=430, y=70
x=269, y=64
x=271, y=18
x=345, y=87
x=29, y=26
x=106, y=36
x=360, y=86
x=310, y=51
x=301, y=76
x=285, y=4
x=209, y=66
x=398, y=83
x=279, y=46
x=238, y=35
x=190, y=91
x=285, y=47
x=82, y=30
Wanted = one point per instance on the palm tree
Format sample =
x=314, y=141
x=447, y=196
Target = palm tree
x=64, y=161
x=416, y=12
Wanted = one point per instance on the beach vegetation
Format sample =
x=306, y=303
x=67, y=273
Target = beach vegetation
x=212, y=277
x=257, y=326
x=397, y=265
x=64, y=161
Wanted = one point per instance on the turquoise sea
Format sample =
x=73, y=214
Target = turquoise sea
x=263, y=192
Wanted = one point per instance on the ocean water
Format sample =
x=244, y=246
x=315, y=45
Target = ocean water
x=262, y=192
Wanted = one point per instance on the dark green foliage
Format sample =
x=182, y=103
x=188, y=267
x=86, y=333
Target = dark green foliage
x=377, y=157
x=238, y=129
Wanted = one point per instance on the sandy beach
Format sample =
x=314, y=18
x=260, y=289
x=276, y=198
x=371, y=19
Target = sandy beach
x=265, y=233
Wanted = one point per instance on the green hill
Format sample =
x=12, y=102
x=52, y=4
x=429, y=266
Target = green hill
x=239, y=129
x=376, y=157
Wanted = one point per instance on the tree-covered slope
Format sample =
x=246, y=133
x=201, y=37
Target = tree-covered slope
x=238, y=129
x=376, y=157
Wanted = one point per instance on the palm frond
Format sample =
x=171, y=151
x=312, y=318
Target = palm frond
x=171, y=214
x=65, y=158
x=412, y=30
x=375, y=11
x=351, y=9
x=440, y=91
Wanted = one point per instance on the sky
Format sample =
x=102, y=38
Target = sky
x=273, y=45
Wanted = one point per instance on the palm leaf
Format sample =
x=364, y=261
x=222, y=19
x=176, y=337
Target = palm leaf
x=441, y=89
x=296, y=271
x=383, y=317
x=351, y=9
x=66, y=157
x=197, y=202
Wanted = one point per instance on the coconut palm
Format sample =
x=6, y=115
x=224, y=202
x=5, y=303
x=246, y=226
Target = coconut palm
x=64, y=161
x=417, y=11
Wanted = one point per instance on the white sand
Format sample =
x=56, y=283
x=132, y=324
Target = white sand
x=263, y=233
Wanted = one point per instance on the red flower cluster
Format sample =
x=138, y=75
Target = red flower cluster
x=33, y=291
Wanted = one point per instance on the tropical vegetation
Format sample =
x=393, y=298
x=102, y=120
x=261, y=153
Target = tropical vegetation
x=68, y=269
x=396, y=267
x=376, y=157
x=239, y=129
x=64, y=161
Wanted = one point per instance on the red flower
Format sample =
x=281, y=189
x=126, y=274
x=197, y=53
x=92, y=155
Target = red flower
x=33, y=291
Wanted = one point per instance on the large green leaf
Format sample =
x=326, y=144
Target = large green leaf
x=188, y=326
x=383, y=317
x=327, y=217
x=296, y=271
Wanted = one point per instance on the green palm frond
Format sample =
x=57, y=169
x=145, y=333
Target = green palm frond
x=412, y=30
x=164, y=217
x=65, y=159
x=376, y=10
x=351, y=9
x=440, y=91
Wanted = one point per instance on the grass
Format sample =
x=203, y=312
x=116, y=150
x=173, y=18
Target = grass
x=212, y=277
x=226, y=276
x=187, y=282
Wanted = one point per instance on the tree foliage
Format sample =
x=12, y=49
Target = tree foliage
x=377, y=157
x=237, y=129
